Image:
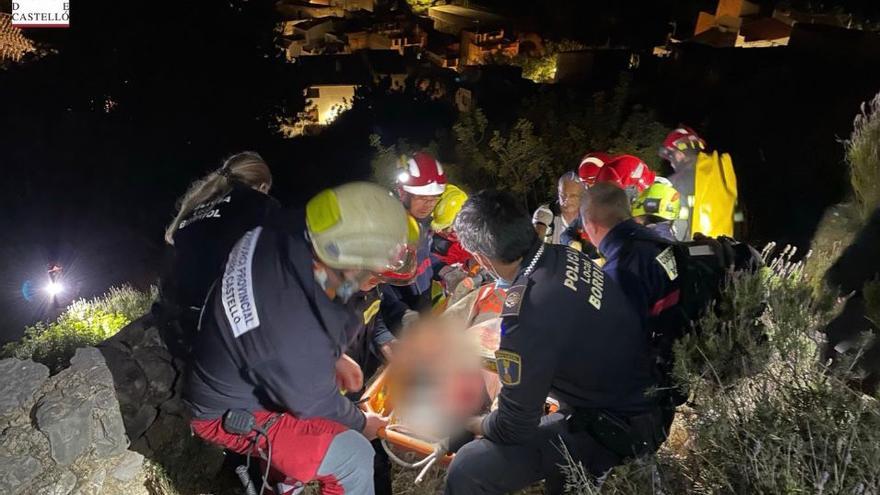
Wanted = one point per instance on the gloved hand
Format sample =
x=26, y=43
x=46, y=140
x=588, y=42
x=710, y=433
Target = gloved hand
x=409, y=317
x=451, y=277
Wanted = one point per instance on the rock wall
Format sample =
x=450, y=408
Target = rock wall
x=64, y=435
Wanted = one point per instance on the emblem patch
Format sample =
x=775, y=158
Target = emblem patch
x=509, y=365
x=667, y=261
x=513, y=300
x=370, y=312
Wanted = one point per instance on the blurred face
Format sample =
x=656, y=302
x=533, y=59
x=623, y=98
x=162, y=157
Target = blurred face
x=570, y=194
x=421, y=207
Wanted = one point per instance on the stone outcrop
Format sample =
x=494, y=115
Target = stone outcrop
x=64, y=435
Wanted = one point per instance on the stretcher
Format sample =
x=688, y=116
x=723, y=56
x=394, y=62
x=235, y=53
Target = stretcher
x=480, y=314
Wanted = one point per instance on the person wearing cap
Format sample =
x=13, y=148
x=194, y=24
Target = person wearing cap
x=658, y=207
x=274, y=331
x=420, y=185
x=706, y=182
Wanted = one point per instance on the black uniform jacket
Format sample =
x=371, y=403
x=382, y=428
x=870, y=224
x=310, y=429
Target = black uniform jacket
x=206, y=236
x=269, y=336
x=569, y=332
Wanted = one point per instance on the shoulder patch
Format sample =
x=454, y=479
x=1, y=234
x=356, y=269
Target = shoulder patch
x=667, y=260
x=371, y=311
x=513, y=300
x=509, y=365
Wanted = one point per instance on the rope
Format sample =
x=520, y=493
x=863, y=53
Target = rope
x=426, y=463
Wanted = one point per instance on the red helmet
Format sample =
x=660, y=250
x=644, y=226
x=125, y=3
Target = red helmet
x=681, y=139
x=590, y=165
x=423, y=176
x=627, y=171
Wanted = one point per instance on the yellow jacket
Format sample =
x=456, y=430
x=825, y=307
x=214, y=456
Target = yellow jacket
x=715, y=195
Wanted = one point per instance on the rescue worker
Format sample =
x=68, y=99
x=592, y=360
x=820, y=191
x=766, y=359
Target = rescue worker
x=706, y=181
x=592, y=356
x=634, y=254
x=452, y=264
x=590, y=166
x=213, y=214
x=629, y=173
x=658, y=207
x=274, y=331
x=419, y=186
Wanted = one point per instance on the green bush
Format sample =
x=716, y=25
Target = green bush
x=863, y=155
x=83, y=323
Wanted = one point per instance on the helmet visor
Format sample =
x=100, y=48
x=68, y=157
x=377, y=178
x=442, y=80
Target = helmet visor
x=404, y=273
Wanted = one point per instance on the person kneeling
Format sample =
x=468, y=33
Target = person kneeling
x=592, y=356
x=273, y=334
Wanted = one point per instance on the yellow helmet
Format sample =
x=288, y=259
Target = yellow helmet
x=448, y=207
x=659, y=200
x=359, y=226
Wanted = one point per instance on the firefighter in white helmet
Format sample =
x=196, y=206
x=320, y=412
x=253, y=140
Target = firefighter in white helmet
x=274, y=332
x=420, y=184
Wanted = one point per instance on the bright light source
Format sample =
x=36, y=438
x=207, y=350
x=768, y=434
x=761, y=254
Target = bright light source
x=403, y=177
x=54, y=288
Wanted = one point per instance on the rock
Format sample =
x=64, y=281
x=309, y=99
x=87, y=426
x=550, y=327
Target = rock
x=94, y=484
x=21, y=379
x=16, y=473
x=160, y=373
x=129, y=467
x=108, y=431
x=80, y=411
x=63, y=486
x=65, y=420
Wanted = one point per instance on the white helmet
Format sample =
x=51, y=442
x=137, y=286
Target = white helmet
x=359, y=226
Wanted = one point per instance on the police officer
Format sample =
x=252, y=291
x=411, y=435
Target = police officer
x=592, y=357
x=274, y=330
x=640, y=261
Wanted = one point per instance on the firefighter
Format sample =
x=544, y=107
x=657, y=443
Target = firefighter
x=452, y=264
x=601, y=375
x=274, y=331
x=706, y=181
x=658, y=207
x=419, y=186
x=629, y=173
x=213, y=214
x=590, y=166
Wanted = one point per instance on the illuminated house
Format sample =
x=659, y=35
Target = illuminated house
x=477, y=46
x=740, y=23
x=13, y=44
x=453, y=19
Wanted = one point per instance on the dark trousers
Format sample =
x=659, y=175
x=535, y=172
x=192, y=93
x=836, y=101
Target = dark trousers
x=486, y=467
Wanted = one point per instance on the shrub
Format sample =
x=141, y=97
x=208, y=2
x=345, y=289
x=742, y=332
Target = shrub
x=767, y=416
x=863, y=155
x=83, y=323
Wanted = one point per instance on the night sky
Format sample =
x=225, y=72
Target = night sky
x=135, y=100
